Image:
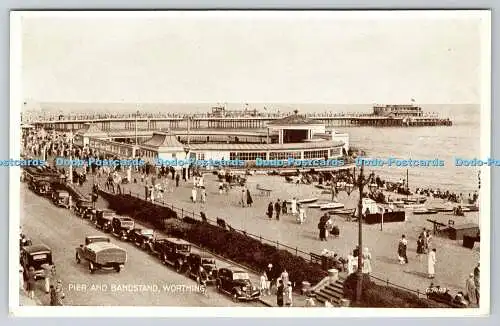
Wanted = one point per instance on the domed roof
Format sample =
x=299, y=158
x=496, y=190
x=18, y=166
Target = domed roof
x=295, y=119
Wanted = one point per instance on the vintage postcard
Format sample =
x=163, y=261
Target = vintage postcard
x=229, y=163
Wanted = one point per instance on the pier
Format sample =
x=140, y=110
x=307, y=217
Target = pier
x=155, y=122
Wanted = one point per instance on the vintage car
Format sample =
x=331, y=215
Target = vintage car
x=83, y=207
x=96, y=238
x=122, y=227
x=36, y=256
x=142, y=237
x=100, y=253
x=236, y=283
x=103, y=219
x=61, y=198
x=172, y=251
x=204, y=260
x=41, y=187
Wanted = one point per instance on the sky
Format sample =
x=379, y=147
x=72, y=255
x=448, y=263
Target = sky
x=251, y=57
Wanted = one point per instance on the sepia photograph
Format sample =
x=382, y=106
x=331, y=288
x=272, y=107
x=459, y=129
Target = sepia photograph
x=226, y=163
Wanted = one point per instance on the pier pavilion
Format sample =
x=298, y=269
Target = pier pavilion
x=294, y=136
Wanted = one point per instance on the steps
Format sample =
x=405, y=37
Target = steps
x=333, y=292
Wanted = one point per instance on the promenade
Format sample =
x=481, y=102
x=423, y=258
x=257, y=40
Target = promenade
x=454, y=262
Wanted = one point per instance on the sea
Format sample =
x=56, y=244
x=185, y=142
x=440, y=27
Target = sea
x=462, y=140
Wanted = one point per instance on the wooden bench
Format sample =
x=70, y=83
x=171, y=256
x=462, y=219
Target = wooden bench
x=437, y=226
x=264, y=191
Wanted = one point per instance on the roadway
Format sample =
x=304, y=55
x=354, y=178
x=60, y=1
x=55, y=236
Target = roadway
x=155, y=284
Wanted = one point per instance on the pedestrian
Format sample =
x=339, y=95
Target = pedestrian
x=476, y=280
x=284, y=277
x=322, y=230
x=177, y=179
x=420, y=247
x=249, y=198
x=289, y=294
x=243, y=199
x=402, y=245
x=221, y=187
x=53, y=296
x=277, y=208
x=31, y=282
x=270, y=209
x=193, y=194
x=367, y=262
x=21, y=277
x=59, y=293
x=271, y=276
x=470, y=288
x=280, y=293
x=203, y=195
x=431, y=262
x=293, y=205
x=263, y=284
x=47, y=270
x=302, y=214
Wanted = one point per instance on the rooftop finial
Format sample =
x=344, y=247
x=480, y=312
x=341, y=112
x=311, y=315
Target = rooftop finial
x=296, y=111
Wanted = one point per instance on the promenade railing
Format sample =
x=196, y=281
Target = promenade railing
x=307, y=255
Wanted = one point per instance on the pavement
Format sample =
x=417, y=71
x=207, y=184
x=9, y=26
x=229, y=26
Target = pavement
x=454, y=262
x=143, y=282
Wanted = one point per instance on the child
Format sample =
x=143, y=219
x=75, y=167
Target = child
x=288, y=294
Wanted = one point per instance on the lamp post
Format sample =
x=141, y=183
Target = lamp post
x=361, y=182
x=186, y=150
x=71, y=158
x=136, y=115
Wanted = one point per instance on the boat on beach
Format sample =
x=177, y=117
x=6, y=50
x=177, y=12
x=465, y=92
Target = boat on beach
x=424, y=211
x=442, y=209
x=330, y=206
x=307, y=201
x=419, y=200
x=318, y=204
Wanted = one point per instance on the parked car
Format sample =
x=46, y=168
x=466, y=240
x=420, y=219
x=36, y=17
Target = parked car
x=61, y=198
x=122, y=226
x=172, y=251
x=36, y=256
x=103, y=220
x=204, y=260
x=96, y=238
x=41, y=187
x=142, y=237
x=100, y=253
x=236, y=283
x=99, y=213
x=83, y=207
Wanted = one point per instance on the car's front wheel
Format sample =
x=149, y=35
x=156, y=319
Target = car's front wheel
x=235, y=297
x=91, y=267
x=77, y=258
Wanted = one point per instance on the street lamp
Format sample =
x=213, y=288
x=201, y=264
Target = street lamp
x=186, y=150
x=136, y=115
x=361, y=182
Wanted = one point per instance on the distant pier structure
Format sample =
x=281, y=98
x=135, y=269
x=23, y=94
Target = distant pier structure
x=392, y=115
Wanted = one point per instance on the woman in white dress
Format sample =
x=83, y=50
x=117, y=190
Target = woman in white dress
x=367, y=261
x=193, y=194
x=302, y=214
x=289, y=295
x=294, y=205
x=351, y=264
x=431, y=263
